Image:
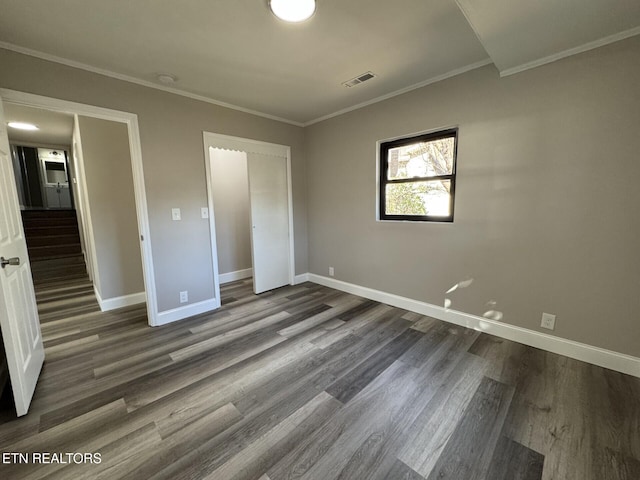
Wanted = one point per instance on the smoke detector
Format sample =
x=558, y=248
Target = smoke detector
x=166, y=78
x=359, y=79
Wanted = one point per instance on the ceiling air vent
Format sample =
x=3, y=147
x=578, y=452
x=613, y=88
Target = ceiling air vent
x=359, y=79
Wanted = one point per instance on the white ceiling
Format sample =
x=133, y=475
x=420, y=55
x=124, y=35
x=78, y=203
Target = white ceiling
x=235, y=52
x=55, y=129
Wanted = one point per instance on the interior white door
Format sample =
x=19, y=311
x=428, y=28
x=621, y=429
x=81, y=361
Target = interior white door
x=269, y=205
x=18, y=312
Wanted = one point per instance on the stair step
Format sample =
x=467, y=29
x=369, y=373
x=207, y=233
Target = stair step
x=56, y=251
x=46, y=283
x=66, y=291
x=74, y=271
x=48, y=222
x=52, y=240
x=58, y=213
x=67, y=260
x=51, y=230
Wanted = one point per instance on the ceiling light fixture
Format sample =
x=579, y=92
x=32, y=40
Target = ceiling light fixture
x=293, y=10
x=23, y=126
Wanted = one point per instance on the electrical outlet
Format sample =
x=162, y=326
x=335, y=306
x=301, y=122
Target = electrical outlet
x=175, y=214
x=184, y=297
x=548, y=321
x=204, y=212
x=331, y=272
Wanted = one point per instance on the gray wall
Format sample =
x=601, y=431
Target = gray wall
x=107, y=168
x=171, y=129
x=546, y=213
x=230, y=181
x=546, y=197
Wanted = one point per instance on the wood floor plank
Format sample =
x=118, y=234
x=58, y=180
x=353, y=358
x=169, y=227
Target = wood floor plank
x=370, y=442
x=237, y=377
x=357, y=311
x=184, y=417
x=71, y=436
x=261, y=454
x=400, y=471
x=17, y=429
x=228, y=337
x=468, y=453
x=443, y=337
x=426, y=438
x=116, y=458
x=178, y=442
x=219, y=450
x=326, y=453
x=319, y=318
x=377, y=455
x=614, y=465
x=351, y=384
x=370, y=315
x=424, y=324
x=238, y=318
x=512, y=461
x=311, y=372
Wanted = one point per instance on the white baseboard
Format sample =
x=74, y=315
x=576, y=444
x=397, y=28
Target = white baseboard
x=569, y=348
x=187, y=311
x=119, y=302
x=237, y=275
x=298, y=279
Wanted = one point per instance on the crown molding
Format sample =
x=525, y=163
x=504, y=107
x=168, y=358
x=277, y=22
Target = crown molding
x=138, y=81
x=572, y=51
x=202, y=98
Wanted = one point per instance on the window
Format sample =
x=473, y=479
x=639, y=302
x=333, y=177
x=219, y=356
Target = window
x=418, y=177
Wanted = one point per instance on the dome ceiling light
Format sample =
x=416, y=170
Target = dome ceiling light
x=293, y=10
x=23, y=126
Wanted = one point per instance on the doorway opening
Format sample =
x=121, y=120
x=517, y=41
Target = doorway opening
x=21, y=330
x=250, y=204
x=109, y=135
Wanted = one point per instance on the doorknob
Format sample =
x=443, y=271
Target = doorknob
x=11, y=261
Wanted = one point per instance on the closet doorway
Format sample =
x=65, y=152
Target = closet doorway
x=251, y=215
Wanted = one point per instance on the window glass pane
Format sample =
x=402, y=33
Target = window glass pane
x=421, y=159
x=419, y=198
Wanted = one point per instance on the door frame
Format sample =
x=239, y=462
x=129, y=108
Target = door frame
x=247, y=145
x=135, y=151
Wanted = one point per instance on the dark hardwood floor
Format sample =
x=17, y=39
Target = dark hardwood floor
x=306, y=382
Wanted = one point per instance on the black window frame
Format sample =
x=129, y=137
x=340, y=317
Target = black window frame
x=384, y=181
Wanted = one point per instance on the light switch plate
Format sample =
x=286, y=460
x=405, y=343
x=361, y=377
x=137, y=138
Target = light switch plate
x=204, y=212
x=175, y=214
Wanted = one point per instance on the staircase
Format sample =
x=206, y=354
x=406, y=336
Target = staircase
x=53, y=242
